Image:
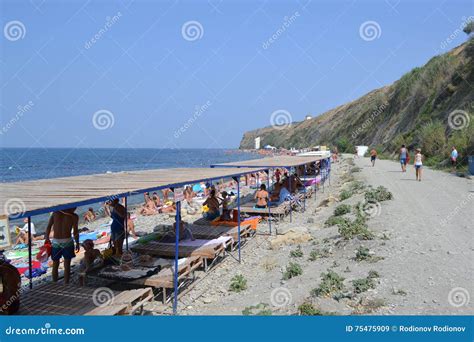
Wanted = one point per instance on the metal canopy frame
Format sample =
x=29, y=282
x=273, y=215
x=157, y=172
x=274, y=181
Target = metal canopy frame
x=236, y=176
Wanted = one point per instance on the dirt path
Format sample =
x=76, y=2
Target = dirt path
x=432, y=245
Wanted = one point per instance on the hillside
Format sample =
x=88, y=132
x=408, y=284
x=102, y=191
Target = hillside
x=411, y=110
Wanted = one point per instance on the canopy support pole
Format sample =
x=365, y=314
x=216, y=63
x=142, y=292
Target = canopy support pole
x=238, y=215
x=126, y=221
x=289, y=186
x=268, y=202
x=176, y=252
x=321, y=171
x=329, y=170
x=304, y=185
x=315, y=183
x=30, y=265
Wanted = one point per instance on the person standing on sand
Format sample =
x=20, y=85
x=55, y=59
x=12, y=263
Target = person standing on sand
x=454, y=157
x=403, y=158
x=418, y=164
x=373, y=156
x=63, y=222
x=117, y=228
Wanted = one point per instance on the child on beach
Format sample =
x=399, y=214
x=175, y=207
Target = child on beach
x=225, y=216
x=92, y=259
x=418, y=164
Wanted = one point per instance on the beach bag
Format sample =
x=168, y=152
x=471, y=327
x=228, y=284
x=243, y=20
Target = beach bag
x=44, y=252
x=408, y=158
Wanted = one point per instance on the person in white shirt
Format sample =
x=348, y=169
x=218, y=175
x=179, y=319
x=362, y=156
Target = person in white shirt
x=23, y=233
x=418, y=164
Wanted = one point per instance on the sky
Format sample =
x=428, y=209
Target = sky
x=198, y=74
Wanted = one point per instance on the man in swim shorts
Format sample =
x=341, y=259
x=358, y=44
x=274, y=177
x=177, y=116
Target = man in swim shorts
x=373, y=156
x=63, y=223
x=403, y=158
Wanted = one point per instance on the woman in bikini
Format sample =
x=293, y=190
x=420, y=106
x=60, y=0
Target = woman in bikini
x=262, y=197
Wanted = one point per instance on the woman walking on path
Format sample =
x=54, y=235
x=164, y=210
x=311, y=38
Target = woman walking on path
x=418, y=164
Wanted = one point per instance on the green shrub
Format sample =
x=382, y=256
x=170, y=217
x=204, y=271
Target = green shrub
x=342, y=209
x=378, y=195
x=356, y=169
x=330, y=282
x=307, y=309
x=238, y=283
x=373, y=274
x=363, y=254
x=357, y=228
x=319, y=253
x=335, y=220
x=292, y=270
x=364, y=284
x=296, y=253
x=345, y=194
x=260, y=309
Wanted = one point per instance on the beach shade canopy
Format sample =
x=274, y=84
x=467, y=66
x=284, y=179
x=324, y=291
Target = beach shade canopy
x=272, y=162
x=23, y=199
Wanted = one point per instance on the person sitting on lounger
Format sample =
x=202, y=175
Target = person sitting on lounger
x=213, y=204
x=185, y=232
x=262, y=197
x=131, y=225
x=22, y=237
x=149, y=208
x=89, y=216
x=225, y=206
x=63, y=223
x=156, y=200
x=92, y=259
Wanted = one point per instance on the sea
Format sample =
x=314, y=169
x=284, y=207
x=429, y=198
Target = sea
x=23, y=164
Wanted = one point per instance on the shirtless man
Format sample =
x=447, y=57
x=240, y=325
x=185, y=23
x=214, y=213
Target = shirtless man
x=63, y=222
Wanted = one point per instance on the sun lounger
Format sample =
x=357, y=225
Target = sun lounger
x=279, y=211
x=207, y=249
x=60, y=299
x=164, y=279
x=252, y=221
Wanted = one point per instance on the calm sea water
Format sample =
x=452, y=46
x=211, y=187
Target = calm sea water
x=20, y=164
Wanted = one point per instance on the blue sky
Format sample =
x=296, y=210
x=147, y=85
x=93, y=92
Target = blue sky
x=146, y=81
